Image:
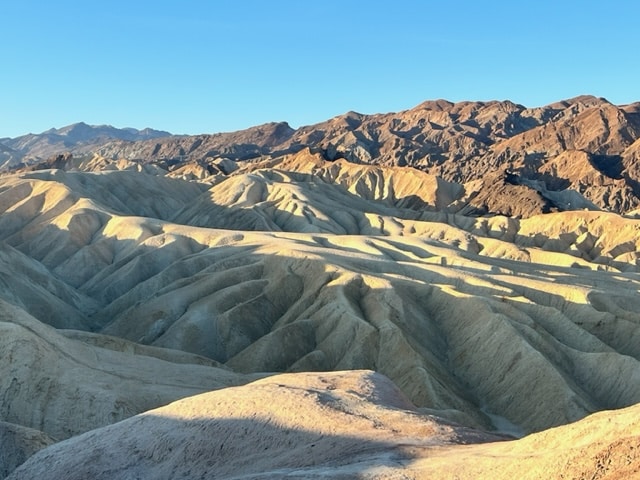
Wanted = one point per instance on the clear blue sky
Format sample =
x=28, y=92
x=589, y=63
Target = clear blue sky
x=193, y=66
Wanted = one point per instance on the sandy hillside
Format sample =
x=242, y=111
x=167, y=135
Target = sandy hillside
x=339, y=425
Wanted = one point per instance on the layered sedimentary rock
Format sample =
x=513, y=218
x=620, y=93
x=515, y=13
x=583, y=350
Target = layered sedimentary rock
x=530, y=320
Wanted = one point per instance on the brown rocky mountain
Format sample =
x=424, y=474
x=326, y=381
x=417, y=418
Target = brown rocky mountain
x=8, y=156
x=570, y=155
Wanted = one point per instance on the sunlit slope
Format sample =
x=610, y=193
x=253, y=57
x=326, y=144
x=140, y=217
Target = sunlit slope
x=303, y=193
x=338, y=198
x=452, y=329
x=478, y=319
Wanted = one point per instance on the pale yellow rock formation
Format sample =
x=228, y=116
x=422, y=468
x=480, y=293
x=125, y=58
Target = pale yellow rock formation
x=305, y=425
x=165, y=288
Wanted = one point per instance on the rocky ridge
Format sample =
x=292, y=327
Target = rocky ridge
x=569, y=155
x=339, y=425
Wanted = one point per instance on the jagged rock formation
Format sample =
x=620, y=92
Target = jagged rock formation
x=583, y=145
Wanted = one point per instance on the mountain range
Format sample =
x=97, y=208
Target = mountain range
x=570, y=155
x=450, y=291
x=76, y=138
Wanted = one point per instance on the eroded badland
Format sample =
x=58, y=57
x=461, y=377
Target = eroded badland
x=446, y=292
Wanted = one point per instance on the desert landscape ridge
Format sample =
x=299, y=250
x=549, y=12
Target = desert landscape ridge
x=450, y=291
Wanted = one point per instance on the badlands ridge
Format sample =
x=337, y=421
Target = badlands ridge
x=304, y=316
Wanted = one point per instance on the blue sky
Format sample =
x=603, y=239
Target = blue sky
x=207, y=66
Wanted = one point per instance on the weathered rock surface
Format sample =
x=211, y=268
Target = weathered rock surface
x=160, y=288
x=305, y=424
x=603, y=446
x=457, y=311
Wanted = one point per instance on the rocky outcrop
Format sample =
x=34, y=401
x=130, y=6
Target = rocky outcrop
x=253, y=142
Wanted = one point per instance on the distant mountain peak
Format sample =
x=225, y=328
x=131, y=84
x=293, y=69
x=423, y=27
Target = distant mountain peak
x=77, y=137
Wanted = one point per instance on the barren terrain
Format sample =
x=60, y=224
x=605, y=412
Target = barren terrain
x=150, y=315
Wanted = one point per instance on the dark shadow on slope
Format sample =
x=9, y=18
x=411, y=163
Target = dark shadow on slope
x=18, y=444
x=610, y=165
x=269, y=316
